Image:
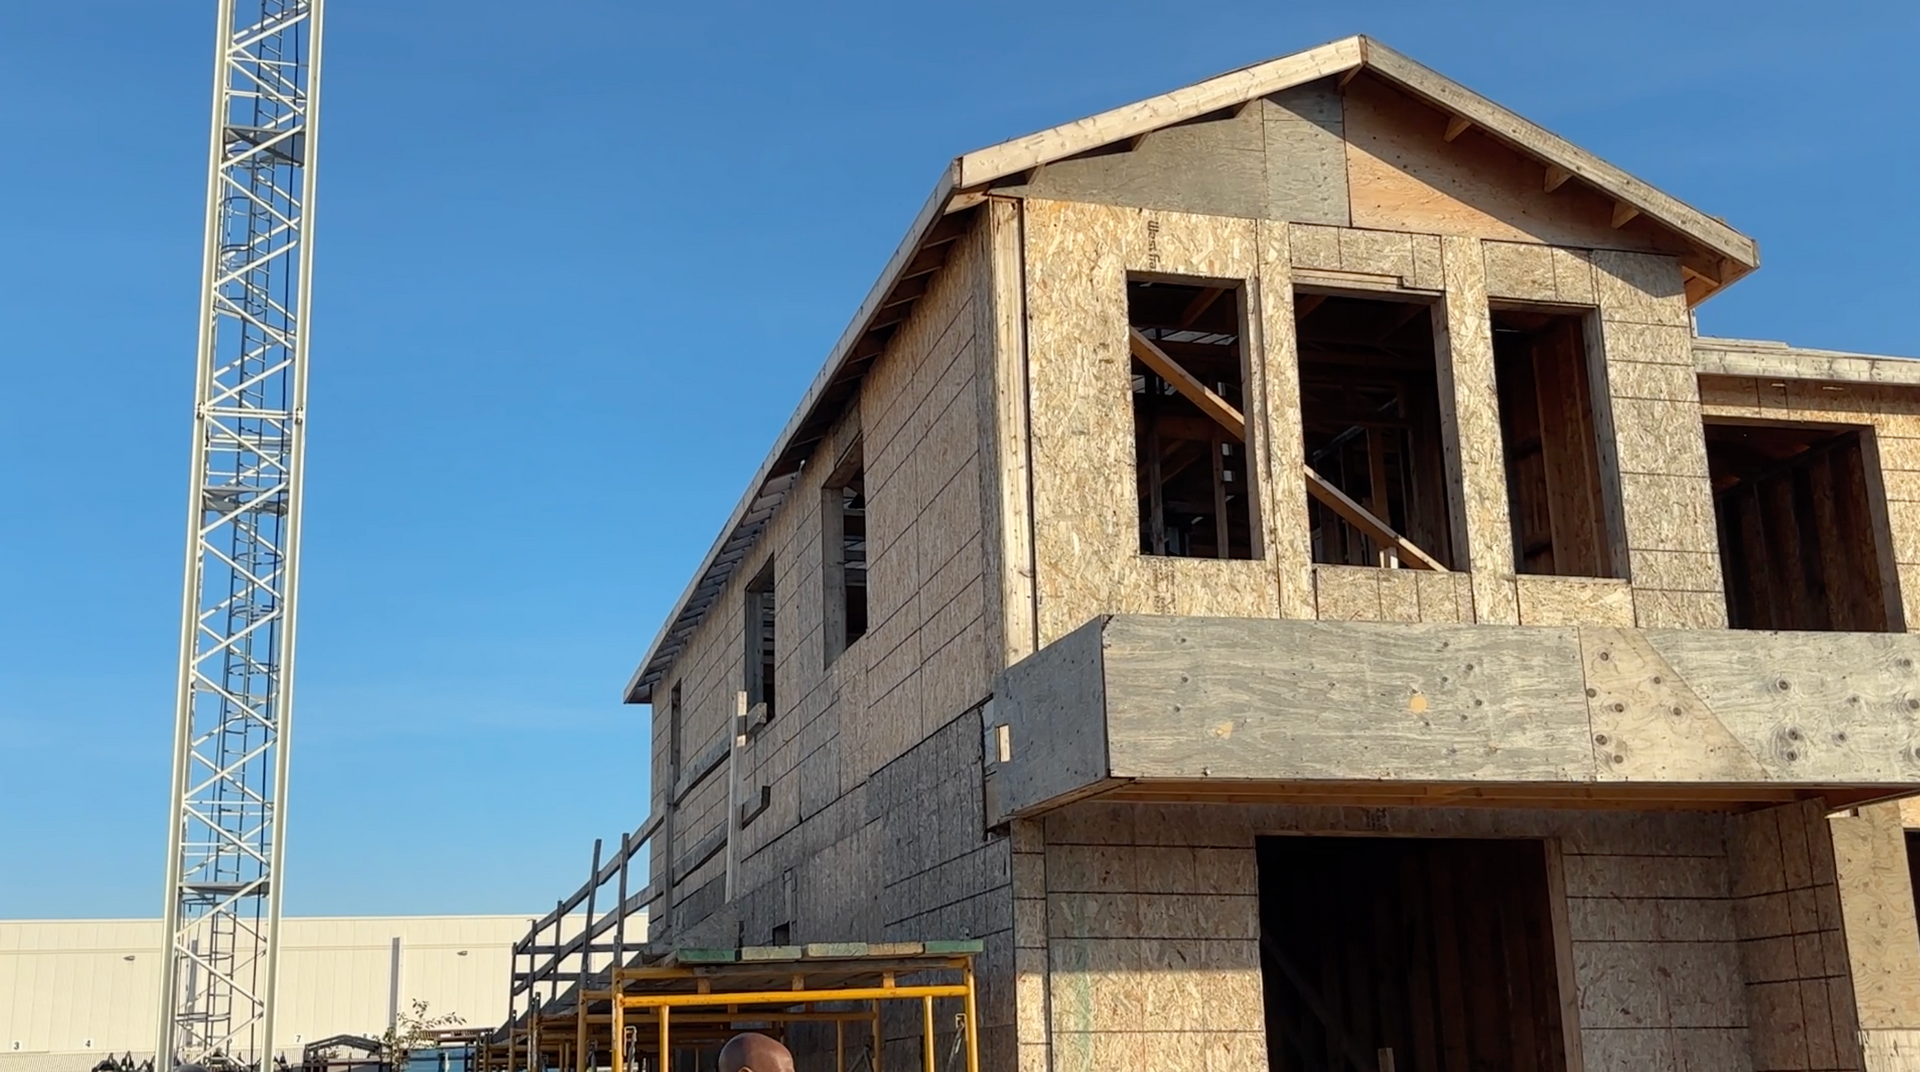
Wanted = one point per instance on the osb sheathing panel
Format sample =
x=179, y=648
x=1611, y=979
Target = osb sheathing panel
x=1412, y=258
x=1470, y=424
x=1005, y=469
x=1528, y=272
x=1141, y=898
x=1876, y=902
x=1892, y=412
x=1366, y=594
x=1284, y=516
x=1085, y=518
x=1652, y=435
x=1794, y=958
x=1574, y=601
x=1403, y=176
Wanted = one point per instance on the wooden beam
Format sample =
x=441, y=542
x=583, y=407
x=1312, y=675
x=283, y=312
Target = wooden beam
x=1457, y=126
x=1557, y=177
x=1169, y=370
x=1361, y=518
x=1622, y=213
x=1348, y=75
x=1305, y=304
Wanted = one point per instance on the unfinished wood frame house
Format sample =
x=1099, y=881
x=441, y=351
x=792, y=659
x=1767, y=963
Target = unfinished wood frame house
x=1276, y=564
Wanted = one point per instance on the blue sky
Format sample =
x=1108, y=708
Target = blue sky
x=576, y=262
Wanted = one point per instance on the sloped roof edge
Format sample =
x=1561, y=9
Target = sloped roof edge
x=996, y=162
x=769, y=487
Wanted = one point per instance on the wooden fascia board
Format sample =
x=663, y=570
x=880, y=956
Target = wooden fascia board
x=1772, y=361
x=996, y=162
x=929, y=215
x=1538, y=142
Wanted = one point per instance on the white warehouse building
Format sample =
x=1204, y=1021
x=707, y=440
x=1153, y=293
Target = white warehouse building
x=74, y=991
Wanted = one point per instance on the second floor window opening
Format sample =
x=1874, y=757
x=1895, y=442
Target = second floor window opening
x=843, y=542
x=761, y=635
x=1556, y=498
x=1194, y=483
x=1803, y=537
x=1370, y=416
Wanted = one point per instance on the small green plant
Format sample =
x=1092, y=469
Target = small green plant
x=412, y=1031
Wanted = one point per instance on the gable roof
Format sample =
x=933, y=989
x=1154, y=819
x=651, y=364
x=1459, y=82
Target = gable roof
x=1721, y=255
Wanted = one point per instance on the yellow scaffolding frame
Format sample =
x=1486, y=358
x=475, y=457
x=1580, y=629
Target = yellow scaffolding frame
x=690, y=1005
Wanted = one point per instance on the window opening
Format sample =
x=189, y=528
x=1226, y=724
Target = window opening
x=1555, y=496
x=673, y=736
x=1408, y=954
x=760, y=640
x=1802, y=543
x=1370, y=418
x=1189, y=419
x=843, y=539
x=1913, y=869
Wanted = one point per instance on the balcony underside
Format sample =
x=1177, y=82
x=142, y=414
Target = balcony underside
x=1259, y=710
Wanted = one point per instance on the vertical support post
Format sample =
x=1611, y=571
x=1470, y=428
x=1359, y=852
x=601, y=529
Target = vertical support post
x=666, y=1037
x=926, y=1034
x=879, y=1036
x=973, y=1022
x=393, y=985
x=620, y=921
x=733, y=794
x=535, y=1062
x=619, y=1027
x=586, y=966
x=839, y=1046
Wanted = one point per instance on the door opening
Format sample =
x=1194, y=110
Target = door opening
x=1408, y=954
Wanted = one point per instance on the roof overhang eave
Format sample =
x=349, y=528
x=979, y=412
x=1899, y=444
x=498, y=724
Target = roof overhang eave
x=687, y=611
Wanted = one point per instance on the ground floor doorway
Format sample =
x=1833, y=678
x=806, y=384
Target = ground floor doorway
x=1408, y=955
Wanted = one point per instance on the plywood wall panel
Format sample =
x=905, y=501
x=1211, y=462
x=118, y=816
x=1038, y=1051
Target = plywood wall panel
x=1522, y=271
x=1086, y=523
x=1404, y=176
x=1470, y=421
x=1574, y=601
x=1284, y=504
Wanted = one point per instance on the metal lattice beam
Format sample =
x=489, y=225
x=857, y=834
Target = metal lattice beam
x=235, y=699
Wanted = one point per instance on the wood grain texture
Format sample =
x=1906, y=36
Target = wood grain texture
x=1470, y=431
x=1053, y=753
x=1281, y=157
x=1520, y=271
x=1274, y=76
x=1574, y=601
x=1876, y=903
x=1283, y=502
x=1777, y=361
x=1214, y=699
x=1006, y=465
x=1648, y=724
x=1552, y=149
x=1403, y=177
x=1085, y=514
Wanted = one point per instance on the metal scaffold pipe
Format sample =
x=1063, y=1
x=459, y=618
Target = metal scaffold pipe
x=226, y=825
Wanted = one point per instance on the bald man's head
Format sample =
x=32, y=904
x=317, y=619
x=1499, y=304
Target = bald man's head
x=754, y=1053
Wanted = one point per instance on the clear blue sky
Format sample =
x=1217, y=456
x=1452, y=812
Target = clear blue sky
x=576, y=263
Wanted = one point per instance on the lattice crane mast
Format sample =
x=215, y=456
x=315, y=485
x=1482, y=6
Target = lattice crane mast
x=226, y=834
